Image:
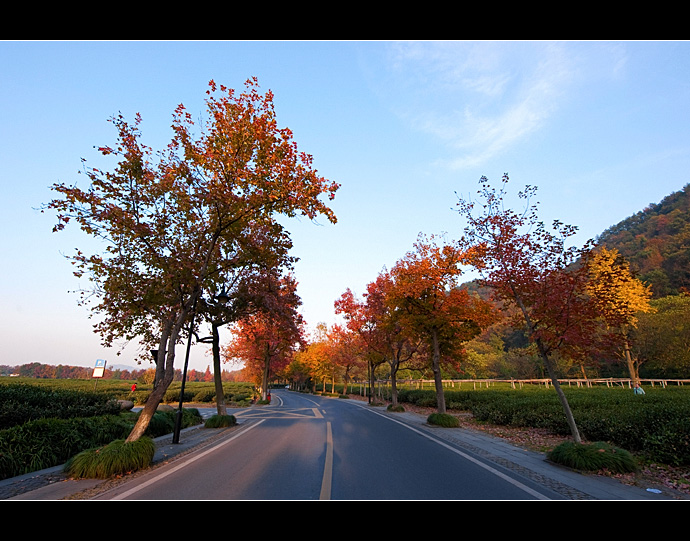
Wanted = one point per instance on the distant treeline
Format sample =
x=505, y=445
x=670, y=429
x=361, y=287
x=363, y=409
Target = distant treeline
x=61, y=371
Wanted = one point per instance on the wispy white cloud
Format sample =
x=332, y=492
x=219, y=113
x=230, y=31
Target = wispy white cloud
x=479, y=99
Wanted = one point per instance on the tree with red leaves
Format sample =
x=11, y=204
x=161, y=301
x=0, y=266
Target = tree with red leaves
x=266, y=339
x=380, y=327
x=177, y=220
x=347, y=350
x=533, y=269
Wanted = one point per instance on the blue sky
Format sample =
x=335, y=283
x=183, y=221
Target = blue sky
x=600, y=127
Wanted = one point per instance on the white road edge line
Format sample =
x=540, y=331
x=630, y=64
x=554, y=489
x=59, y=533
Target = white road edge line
x=502, y=475
x=193, y=458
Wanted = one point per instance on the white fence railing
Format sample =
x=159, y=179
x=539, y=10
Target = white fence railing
x=520, y=383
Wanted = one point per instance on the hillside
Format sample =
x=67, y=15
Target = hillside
x=656, y=242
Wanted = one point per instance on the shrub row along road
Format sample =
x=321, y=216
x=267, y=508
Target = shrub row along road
x=307, y=447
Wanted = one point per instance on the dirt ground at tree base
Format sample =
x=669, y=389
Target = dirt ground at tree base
x=542, y=441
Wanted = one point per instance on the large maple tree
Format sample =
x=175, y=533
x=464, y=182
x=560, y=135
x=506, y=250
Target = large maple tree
x=426, y=288
x=362, y=317
x=620, y=298
x=175, y=221
x=536, y=270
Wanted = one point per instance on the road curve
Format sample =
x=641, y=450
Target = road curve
x=305, y=447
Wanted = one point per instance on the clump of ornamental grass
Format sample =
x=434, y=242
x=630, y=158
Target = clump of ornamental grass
x=593, y=457
x=220, y=421
x=119, y=457
x=397, y=408
x=444, y=420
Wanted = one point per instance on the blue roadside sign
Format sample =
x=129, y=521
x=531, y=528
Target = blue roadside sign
x=99, y=369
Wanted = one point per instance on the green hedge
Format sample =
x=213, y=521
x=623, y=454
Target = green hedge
x=45, y=443
x=21, y=403
x=198, y=392
x=656, y=425
x=42, y=426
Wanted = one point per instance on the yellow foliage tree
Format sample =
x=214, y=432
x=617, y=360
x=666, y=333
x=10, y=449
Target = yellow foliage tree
x=620, y=298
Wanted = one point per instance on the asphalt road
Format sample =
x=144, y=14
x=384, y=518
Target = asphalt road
x=305, y=447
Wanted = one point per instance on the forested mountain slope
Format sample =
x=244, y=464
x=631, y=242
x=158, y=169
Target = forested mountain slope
x=656, y=242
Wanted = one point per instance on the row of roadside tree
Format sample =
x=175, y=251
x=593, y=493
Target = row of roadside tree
x=573, y=304
x=193, y=242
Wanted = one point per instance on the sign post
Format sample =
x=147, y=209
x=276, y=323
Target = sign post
x=98, y=371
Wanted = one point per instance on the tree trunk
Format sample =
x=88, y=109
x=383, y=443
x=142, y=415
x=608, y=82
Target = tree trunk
x=161, y=353
x=550, y=369
x=634, y=376
x=264, y=377
x=436, y=367
x=559, y=392
x=394, y=388
x=166, y=358
x=371, y=380
x=394, y=383
x=217, y=372
x=346, y=382
x=154, y=399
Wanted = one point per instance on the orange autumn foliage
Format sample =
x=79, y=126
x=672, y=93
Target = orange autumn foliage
x=426, y=289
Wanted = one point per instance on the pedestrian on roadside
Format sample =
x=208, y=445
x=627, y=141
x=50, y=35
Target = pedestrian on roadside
x=637, y=389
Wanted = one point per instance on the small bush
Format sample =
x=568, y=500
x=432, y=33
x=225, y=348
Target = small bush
x=116, y=458
x=399, y=408
x=220, y=421
x=443, y=419
x=593, y=457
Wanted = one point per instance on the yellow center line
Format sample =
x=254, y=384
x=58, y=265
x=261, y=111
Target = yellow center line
x=328, y=467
